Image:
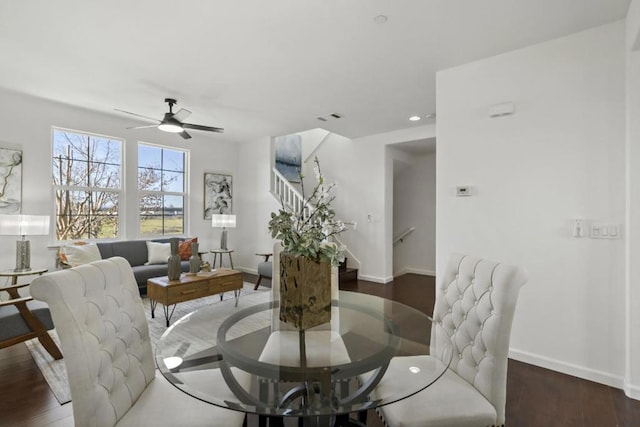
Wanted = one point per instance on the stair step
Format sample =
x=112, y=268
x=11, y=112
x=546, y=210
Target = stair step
x=348, y=275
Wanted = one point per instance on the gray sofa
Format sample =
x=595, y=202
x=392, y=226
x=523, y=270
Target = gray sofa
x=135, y=251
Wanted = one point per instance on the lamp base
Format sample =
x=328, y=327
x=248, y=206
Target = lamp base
x=23, y=256
x=223, y=239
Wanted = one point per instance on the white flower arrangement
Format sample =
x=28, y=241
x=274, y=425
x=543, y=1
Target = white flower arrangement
x=307, y=231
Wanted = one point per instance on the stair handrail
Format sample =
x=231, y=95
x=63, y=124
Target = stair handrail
x=401, y=236
x=288, y=194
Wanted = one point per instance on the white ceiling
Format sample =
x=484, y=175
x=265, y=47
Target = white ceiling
x=258, y=67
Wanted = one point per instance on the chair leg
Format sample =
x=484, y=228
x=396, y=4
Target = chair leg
x=41, y=332
x=49, y=345
x=255, y=288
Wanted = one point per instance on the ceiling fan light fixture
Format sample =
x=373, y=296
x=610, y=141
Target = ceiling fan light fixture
x=174, y=122
x=170, y=127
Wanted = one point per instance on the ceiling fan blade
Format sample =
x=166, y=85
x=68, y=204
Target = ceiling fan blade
x=143, y=127
x=136, y=114
x=184, y=134
x=181, y=114
x=200, y=127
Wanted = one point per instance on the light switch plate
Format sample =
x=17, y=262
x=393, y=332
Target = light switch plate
x=604, y=231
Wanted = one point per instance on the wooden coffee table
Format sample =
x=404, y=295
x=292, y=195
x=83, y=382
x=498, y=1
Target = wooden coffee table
x=190, y=287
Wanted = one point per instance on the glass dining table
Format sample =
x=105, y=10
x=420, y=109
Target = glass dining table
x=245, y=359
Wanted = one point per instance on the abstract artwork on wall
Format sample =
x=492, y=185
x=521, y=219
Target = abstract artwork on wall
x=288, y=150
x=10, y=181
x=218, y=194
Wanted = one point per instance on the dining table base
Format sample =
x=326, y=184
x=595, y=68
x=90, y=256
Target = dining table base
x=343, y=420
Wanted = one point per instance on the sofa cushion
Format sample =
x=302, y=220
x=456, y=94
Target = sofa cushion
x=134, y=251
x=158, y=253
x=144, y=272
x=184, y=249
x=75, y=255
x=62, y=257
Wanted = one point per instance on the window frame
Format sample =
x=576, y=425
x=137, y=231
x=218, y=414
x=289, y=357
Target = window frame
x=118, y=191
x=185, y=194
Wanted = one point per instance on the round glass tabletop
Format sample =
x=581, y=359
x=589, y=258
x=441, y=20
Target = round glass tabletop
x=243, y=358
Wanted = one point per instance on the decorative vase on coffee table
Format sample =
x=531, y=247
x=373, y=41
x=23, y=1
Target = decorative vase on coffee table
x=194, y=260
x=305, y=291
x=173, y=263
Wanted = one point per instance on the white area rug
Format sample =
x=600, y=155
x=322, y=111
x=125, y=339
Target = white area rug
x=55, y=372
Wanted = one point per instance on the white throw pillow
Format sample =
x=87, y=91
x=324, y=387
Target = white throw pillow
x=81, y=254
x=158, y=252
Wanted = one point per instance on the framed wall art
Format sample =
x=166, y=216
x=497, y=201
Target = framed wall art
x=289, y=156
x=218, y=194
x=10, y=181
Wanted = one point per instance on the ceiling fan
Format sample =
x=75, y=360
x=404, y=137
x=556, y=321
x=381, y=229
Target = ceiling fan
x=173, y=122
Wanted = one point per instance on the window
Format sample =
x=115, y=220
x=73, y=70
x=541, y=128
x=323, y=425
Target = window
x=161, y=188
x=87, y=173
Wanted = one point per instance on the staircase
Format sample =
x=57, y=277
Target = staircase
x=289, y=195
x=346, y=274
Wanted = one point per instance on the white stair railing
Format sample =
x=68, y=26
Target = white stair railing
x=289, y=195
x=285, y=192
x=400, y=237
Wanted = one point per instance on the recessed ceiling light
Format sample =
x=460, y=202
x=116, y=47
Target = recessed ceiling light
x=380, y=19
x=414, y=118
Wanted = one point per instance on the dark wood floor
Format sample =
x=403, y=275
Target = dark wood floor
x=535, y=396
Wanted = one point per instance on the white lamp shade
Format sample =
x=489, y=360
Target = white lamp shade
x=24, y=225
x=219, y=220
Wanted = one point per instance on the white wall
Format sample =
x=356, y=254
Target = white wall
x=632, y=378
x=255, y=203
x=414, y=198
x=561, y=156
x=363, y=171
x=26, y=125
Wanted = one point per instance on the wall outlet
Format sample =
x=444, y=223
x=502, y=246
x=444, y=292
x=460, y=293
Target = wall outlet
x=463, y=191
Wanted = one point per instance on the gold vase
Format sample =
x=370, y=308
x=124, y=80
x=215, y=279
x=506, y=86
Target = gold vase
x=305, y=291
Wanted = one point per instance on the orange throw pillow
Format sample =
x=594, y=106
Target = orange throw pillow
x=184, y=249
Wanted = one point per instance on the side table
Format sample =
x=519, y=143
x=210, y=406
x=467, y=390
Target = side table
x=221, y=252
x=15, y=274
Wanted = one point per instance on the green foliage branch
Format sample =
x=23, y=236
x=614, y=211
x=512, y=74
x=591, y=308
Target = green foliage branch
x=308, y=230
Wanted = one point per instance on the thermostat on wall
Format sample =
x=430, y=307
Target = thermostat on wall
x=463, y=191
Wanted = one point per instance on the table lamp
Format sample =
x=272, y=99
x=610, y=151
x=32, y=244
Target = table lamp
x=23, y=225
x=224, y=221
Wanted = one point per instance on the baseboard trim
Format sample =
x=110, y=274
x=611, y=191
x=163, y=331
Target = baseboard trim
x=246, y=270
x=568, y=368
x=415, y=271
x=631, y=391
x=375, y=279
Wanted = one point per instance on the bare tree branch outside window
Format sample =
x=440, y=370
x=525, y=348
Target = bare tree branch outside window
x=161, y=189
x=87, y=181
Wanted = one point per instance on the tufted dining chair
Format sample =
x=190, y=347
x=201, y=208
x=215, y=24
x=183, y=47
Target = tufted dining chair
x=475, y=305
x=99, y=317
